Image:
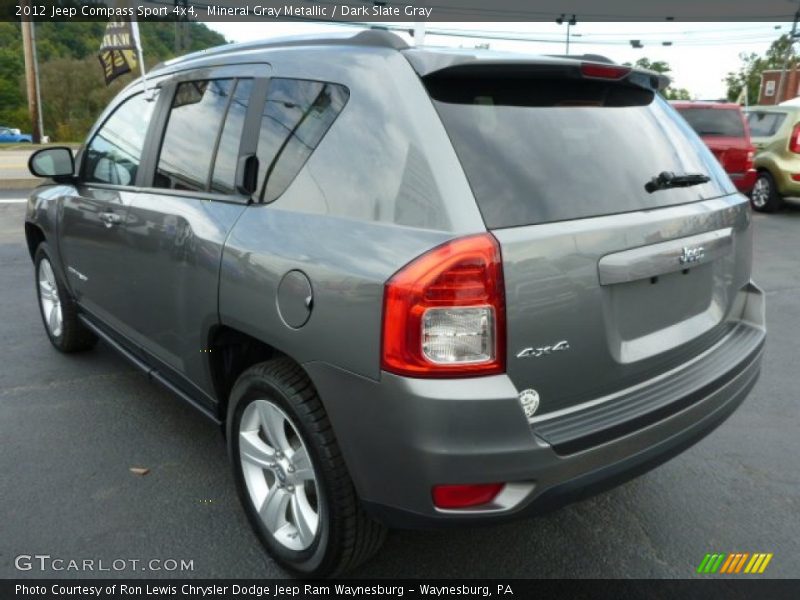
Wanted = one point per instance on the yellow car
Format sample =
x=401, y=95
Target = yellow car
x=775, y=132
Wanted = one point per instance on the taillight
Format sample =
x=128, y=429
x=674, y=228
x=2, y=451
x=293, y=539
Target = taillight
x=604, y=71
x=464, y=496
x=444, y=313
x=794, y=140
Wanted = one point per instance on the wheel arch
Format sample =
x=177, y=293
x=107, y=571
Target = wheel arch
x=233, y=352
x=34, y=235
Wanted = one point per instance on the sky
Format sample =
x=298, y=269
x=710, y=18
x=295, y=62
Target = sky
x=701, y=54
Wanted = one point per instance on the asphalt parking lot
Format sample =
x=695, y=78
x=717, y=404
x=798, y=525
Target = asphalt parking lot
x=72, y=426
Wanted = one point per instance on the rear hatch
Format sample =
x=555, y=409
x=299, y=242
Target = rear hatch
x=724, y=131
x=607, y=285
x=764, y=124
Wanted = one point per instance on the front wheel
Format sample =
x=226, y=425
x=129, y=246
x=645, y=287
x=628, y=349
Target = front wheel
x=59, y=312
x=765, y=196
x=290, y=475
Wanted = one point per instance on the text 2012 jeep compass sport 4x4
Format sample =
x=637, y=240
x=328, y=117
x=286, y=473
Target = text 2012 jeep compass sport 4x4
x=417, y=286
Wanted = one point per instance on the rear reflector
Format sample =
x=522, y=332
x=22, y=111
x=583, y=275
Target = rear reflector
x=465, y=496
x=604, y=71
x=796, y=176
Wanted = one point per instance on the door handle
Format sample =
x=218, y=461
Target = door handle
x=110, y=219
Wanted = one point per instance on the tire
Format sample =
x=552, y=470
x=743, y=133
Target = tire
x=58, y=310
x=765, y=196
x=275, y=400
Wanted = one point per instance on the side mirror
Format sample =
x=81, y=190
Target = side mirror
x=56, y=163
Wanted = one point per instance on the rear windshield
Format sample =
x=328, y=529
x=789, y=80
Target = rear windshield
x=714, y=121
x=765, y=124
x=543, y=150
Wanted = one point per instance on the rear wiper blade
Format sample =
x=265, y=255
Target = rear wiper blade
x=668, y=180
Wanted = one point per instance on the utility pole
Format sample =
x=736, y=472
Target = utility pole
x=32, y=77
x=570, y=22
x=792, y=36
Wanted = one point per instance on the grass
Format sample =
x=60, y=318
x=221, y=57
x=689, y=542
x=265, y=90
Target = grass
x=37, y=146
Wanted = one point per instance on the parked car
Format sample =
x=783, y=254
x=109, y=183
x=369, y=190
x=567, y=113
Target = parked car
x=13, y=136
x=340, y=267
x=723, y=127
x=776, y=135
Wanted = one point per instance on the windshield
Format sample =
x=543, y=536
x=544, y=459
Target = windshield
x=537, y=151
x=714, y=121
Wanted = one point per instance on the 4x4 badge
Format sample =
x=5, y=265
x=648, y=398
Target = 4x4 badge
x=542, y=350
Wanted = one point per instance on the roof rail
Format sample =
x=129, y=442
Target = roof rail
x=376, y=38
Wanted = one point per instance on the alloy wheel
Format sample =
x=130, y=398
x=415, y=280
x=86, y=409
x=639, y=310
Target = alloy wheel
x=760, y=193
x=279, y=475
x=49, y=299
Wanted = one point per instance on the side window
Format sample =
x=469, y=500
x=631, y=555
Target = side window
x=224, y=175
x=297, y=114
x=197, y=112
x=114, y=154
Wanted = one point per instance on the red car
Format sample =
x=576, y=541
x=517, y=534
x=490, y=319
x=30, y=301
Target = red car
x=724, y=130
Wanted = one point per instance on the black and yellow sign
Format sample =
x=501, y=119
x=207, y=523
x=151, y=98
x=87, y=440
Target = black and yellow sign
x=118, y=51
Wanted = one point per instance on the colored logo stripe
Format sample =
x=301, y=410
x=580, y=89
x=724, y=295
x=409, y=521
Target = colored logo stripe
x=735, y=562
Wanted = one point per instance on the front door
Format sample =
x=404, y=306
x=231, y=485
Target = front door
x=93, y=218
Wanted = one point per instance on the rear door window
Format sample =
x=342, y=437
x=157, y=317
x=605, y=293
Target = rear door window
x=543, y=150
x=714, y=121
x=196, y=116
x=227, y=155
x=297, y=114
x=765, y=124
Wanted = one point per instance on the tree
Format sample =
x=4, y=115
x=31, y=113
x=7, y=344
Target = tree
x=72, y=86
x=749, y=73
x=662, y=67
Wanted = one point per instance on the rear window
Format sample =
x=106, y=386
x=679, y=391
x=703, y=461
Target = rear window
x=543, y=150
x=714, y=121
x=765, y=124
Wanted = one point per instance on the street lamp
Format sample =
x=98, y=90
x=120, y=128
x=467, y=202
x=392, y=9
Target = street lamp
x=570, y=22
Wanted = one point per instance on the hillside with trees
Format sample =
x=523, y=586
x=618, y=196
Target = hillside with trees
x=72, y=86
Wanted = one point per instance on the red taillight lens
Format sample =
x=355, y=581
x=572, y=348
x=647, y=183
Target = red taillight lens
x=794, y=140
x=444, y=313
x=604, y=71
x=465, y=496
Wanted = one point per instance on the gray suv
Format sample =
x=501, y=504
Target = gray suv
x=416, y=287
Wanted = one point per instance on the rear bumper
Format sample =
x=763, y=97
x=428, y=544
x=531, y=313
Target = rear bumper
x=744, y=182
x=401, y=436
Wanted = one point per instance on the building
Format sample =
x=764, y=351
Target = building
x=771, y=83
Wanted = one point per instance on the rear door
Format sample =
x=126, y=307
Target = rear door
x=607, y=285
x=179, y=221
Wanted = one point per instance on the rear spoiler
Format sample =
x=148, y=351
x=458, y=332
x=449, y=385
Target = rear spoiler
x=544, y=68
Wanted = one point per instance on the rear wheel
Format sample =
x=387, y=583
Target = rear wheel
x=290, y=475
x=765, y=196
x=59, y=312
